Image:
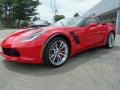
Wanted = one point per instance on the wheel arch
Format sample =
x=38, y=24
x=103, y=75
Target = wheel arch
x=113, y=31
x=54, y=36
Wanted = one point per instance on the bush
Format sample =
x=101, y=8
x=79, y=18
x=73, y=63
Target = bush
x=58, y=17
x=24, y=24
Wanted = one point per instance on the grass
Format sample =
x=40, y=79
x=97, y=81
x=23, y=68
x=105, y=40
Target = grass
x=7, y=28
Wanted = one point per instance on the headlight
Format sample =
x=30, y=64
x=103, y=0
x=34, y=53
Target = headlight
x=32, y=37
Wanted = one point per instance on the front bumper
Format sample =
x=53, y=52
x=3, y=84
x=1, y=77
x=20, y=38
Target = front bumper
x=22, y=53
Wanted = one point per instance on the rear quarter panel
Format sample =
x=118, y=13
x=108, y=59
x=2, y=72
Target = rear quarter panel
x=108, y=27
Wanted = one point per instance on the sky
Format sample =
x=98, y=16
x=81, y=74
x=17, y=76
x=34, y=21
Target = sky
x=65, y=7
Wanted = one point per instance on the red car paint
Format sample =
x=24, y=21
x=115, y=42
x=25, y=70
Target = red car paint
x=32, y=52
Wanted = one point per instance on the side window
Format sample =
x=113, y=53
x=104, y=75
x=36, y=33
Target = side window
x=89, y=21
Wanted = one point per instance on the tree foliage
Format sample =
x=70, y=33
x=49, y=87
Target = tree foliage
x=6, y=6
x=76, y=15
x=58, y=17
x=18, y=9
x=23, y=9
x=36, y=18
x=1, y=12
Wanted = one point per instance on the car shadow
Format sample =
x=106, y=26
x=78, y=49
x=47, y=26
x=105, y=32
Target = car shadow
x=74, y=62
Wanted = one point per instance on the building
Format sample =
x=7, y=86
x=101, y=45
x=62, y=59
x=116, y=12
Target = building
x=107, y=11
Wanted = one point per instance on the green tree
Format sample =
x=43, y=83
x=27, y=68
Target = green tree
x=36, y=18
x=6, y=11
x=24, y=9
x=58, y=17
x=18, y=9
x=76, y=15
x=6, y=6
x=1, y=12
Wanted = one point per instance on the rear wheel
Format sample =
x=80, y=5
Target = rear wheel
x=56, y=52
x=111, y=40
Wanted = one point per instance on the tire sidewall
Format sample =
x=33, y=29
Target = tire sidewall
x=47, y=48
x=108, y=44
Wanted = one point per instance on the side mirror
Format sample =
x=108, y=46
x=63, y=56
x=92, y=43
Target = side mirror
x=92, y=25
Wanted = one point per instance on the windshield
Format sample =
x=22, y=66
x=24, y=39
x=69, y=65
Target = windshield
x=69, y=22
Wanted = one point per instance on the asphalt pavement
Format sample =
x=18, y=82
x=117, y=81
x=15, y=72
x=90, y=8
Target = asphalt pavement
x=95, y=69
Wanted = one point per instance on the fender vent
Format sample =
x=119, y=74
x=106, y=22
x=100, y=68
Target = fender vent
x=75, y=37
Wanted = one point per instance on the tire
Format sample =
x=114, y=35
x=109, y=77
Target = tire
x=56, y=52
x=110, y=41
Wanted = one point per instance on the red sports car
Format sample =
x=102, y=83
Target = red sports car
x=53, y=45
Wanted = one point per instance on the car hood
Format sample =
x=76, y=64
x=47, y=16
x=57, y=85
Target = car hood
x=25, y=32
x=20, y=34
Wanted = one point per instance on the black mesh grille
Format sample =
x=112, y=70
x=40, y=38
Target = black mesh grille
x=11, y=52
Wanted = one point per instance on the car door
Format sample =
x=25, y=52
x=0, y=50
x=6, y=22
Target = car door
x=92, y=34
x=89, y=33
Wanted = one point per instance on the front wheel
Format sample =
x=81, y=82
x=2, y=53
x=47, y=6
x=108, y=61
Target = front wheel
x=56, y=52
x=111, y=40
